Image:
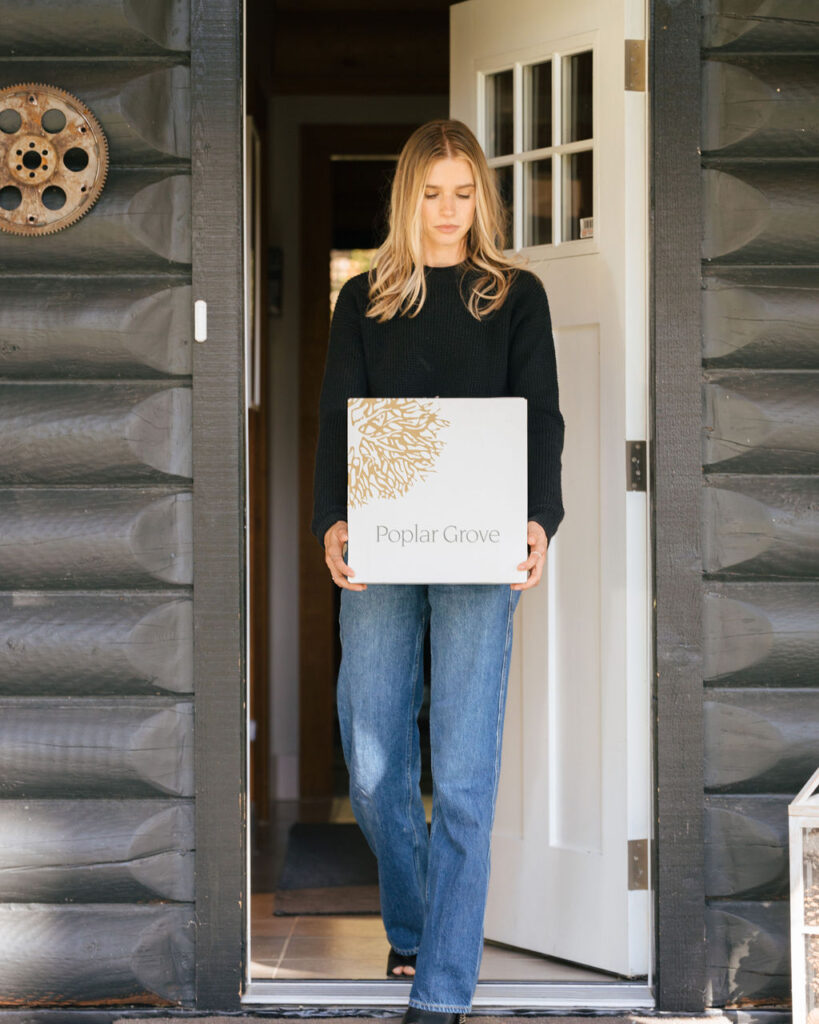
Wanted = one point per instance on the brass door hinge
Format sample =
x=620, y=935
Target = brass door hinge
x=636, y=65
x=637, y=864
x=635, y=465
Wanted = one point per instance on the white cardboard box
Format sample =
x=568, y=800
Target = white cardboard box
x=437, y=489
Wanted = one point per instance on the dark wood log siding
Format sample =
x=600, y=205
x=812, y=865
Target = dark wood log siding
x=62, y=644
x=97, y=327
x=108, y=850
x=64, y=1016
x=96, y=679
x=141, y=224
x=761, y=474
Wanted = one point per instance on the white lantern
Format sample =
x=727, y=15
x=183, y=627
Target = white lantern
x=804, y=853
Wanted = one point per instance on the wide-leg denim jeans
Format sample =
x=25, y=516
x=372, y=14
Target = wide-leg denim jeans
x=433, y=887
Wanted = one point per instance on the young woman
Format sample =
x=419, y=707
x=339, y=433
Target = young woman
x=442, y=313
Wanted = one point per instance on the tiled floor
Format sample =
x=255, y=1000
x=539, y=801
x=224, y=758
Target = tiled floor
x=353, y=946
x=356, y=947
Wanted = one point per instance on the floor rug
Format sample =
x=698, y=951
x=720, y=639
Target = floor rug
x=328, y=869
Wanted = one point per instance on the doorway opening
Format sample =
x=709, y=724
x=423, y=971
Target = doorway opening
x=331, y=121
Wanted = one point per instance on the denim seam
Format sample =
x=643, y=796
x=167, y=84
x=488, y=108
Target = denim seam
x=507, y=651
x=510, y=611
x=438, y=1007
x=419, y=645
x=405, y=952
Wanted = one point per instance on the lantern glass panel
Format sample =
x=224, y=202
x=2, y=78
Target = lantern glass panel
x=812, y=978
x=810, y=864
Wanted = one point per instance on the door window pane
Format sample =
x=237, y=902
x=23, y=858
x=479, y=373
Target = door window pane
x=505, y=178
x=578, y=205
x=537, y=210
x=537, y=114
x=499, y=125
x=577, y=97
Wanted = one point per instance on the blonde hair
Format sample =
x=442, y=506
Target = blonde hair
x=396, y=280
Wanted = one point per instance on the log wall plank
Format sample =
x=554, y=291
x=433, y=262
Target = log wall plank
x=73, y=538
x=760, y=526
x=760, y=25
x=140, y=954
x=761, y=634
x=141, y=222
x=91, y=27
x=93, y=327
x=95, y=851
x=62, y=1016
x=761, y=106
x=92, y=433
x=759, y=422
x=748, y=951
x=746, y=847
x=768, y=320
x=60, y=644
x=759, y=741
x=53, y=748
x=761, y=214
x=142, y=107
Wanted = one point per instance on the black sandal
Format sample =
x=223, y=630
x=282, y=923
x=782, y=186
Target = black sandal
x=396, y=959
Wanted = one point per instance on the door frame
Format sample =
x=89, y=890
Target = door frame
x=676, y=423
x=219, y=636
x=220, y=657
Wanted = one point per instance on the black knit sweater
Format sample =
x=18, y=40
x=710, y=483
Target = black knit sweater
x=443, y=352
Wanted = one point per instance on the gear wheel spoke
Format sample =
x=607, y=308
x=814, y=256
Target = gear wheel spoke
x=53, y=159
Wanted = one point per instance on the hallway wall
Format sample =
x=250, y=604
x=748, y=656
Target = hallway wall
x=286, y=116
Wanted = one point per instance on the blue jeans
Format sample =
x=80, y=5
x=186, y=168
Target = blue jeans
x=433, y=887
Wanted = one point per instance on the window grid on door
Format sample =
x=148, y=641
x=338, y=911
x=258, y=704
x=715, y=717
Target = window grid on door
x=543, y=149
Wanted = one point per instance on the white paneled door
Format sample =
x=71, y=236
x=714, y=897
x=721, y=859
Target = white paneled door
x=555, y=91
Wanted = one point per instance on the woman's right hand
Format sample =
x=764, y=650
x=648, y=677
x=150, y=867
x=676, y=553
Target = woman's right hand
x=334, y=540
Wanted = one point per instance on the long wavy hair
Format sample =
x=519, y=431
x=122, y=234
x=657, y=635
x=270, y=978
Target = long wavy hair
x=396, y=282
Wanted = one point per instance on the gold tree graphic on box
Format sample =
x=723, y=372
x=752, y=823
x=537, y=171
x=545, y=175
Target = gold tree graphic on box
x=393, y=444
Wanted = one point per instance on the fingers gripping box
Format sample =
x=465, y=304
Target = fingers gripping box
x=436, y=490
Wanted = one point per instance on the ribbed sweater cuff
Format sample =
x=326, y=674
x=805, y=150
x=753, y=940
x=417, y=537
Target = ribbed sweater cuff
x=549, y=519
x=320, y=526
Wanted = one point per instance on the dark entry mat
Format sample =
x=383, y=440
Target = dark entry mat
x=328, y=869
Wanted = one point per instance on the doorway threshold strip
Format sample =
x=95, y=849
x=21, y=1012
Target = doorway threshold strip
x=529, y=995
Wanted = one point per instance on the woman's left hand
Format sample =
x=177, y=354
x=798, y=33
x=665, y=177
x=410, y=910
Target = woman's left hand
x=538, y=542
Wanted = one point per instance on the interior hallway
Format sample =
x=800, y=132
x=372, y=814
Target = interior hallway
x=352, y=946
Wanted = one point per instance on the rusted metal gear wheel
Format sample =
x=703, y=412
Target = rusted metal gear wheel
x=53, y=159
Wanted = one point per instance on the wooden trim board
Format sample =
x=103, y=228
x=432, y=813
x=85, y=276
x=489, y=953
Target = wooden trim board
x=218, y=498
x=676, y=472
